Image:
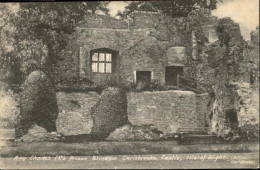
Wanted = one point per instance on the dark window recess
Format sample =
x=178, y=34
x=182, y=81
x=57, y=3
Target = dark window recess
x=171, y=73
x=231, y=118
x=143, y=79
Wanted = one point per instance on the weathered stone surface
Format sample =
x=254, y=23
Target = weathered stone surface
x=74, y=112
x=168, y=110
x=38, y=104
x=247, y=106
x=110, y=112
x=217, y=65
x=176, y=55
x=132, y=132
x=141, y=45
x=39, y=134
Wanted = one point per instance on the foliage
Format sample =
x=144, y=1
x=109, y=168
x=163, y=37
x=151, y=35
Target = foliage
x=109, y=113
x=196, y=20
x=39, y=134
x=155, y=85
x=38, y=104
x=42, y=31
x=50, y=24
x=228, y=30
x=7, y=30
x=249, y=132
x=174, y=8
x=75, y=84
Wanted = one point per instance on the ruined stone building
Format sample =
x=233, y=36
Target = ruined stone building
x=254, y=36
x=152, y=48
x=149, y=47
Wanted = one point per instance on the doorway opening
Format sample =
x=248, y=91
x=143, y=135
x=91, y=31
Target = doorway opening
x=143, y=79
x=171, y=73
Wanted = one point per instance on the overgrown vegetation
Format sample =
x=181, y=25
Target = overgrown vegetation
x=39, y=32
x=109, y=113
x=38, y=104
x=174, y=8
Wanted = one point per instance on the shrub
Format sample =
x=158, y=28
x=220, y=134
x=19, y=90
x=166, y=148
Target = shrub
x=38, y=104
x=109, y=113
x=249, y=132
x=156, y=86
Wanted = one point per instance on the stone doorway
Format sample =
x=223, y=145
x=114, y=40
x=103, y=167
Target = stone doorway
x=143, y=79
x=171, y=73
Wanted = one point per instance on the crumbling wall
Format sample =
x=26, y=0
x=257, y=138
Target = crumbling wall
x=141, y=46
x=218, y=65
x=247, y=107
x=168, y=110
x=74, y=112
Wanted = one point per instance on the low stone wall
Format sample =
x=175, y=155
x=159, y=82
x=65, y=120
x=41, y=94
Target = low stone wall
x=168, y=110
x=74, y=112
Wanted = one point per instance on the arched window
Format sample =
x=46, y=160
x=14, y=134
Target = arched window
x=102, y=60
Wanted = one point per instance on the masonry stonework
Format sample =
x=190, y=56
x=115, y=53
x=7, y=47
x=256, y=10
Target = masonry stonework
x=168, y=110
x=139, y=46
x=74, y=112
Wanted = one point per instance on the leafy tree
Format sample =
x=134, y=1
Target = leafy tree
x=7, y=30
x=51, y=23
x=174, y=8
x=43, y=29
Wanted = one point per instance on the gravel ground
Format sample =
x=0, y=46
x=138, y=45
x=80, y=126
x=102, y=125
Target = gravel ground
x=120, y=148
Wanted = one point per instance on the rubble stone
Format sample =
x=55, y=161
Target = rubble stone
x=132, y=132
x=39, y=134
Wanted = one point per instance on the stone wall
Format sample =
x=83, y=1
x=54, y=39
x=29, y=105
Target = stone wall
x=247, y=107
x=140, y=46
x=203, y=108
x=74, y=112
x=168, y=110
x=176, y=56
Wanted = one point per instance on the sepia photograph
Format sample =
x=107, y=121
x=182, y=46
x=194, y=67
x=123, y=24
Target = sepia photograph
x=159, y=84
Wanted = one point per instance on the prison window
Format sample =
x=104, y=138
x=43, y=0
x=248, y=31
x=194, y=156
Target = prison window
x=102, y=62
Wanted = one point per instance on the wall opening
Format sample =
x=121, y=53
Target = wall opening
x=231, y=118
x=171, y=73
x=143, y=79
x=103, y=60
